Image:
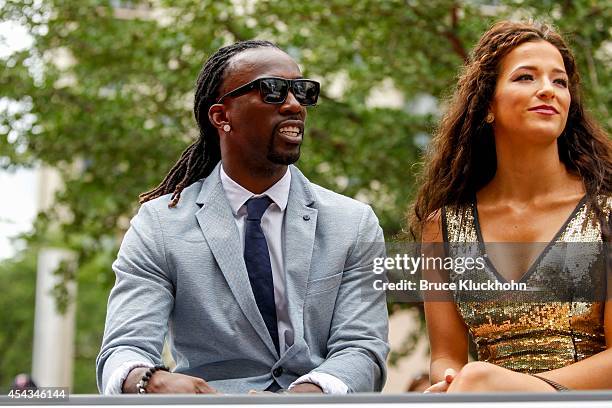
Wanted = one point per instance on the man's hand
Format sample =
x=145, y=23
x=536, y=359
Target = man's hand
x=306, y=387
x=163, y=382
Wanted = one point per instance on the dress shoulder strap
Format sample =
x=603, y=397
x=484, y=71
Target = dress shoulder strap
x=458, y=223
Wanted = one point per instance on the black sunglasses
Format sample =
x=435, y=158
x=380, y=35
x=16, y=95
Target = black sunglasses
x=275, y=90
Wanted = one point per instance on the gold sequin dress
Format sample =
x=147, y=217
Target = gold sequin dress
x=559, y=325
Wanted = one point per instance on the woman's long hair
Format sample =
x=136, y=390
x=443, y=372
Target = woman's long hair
x=462, y=159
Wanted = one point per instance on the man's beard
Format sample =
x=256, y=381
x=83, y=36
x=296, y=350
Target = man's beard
x=281, y=158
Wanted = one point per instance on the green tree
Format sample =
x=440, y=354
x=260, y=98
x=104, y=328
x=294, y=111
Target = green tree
x=104, y=95
x=18, y=287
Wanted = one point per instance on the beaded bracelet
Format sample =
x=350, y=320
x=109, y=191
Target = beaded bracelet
x=141, y=387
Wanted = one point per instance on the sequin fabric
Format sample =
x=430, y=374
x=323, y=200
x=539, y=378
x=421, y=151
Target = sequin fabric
x=564, y=324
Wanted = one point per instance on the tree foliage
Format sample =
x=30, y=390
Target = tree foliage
x=18, y=287
x=105, y=96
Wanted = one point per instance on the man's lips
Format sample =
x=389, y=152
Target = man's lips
x=545, y=109
x=291, y=130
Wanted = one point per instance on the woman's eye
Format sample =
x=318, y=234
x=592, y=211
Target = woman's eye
x=524, y=77
x=561, y=82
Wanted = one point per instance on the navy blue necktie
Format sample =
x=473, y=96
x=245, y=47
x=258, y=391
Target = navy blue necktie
x=257, y=259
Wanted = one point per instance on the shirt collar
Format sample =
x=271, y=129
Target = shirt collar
x=238, y=195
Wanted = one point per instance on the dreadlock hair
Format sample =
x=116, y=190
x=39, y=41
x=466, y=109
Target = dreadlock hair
x=201, y=157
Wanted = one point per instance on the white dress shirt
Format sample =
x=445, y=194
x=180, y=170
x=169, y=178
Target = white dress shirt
x=273, y=228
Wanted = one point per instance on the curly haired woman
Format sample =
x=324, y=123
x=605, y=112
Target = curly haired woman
x=518, y=160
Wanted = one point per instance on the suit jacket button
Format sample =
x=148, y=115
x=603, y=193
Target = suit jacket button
x=278, y=371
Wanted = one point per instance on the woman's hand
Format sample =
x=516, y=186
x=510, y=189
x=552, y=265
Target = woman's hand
x=442, y=386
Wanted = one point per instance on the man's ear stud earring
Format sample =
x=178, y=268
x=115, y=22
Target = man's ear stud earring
x=227, y=128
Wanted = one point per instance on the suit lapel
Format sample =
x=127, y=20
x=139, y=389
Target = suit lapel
x=219, y=228
x=300, y=228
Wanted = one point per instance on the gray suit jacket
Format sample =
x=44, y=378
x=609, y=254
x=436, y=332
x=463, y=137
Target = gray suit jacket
x=181, y=274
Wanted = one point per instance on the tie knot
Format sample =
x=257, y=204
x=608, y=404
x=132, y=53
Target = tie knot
x=256, y=207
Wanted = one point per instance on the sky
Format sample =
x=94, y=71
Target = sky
x=17, y=208
x=18, y=204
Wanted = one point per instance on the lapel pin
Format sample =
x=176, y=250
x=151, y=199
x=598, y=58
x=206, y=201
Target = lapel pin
x=306, y=217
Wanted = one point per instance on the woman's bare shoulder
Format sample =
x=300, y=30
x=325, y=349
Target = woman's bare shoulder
x=432, y=228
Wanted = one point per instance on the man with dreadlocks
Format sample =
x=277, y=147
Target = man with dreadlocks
x=259, y=279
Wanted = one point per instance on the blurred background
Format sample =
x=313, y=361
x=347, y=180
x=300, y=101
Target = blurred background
x=95, y=107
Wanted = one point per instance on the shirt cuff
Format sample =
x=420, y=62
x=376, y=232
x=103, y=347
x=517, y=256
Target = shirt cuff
x=115, y=382
x=328, y=383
